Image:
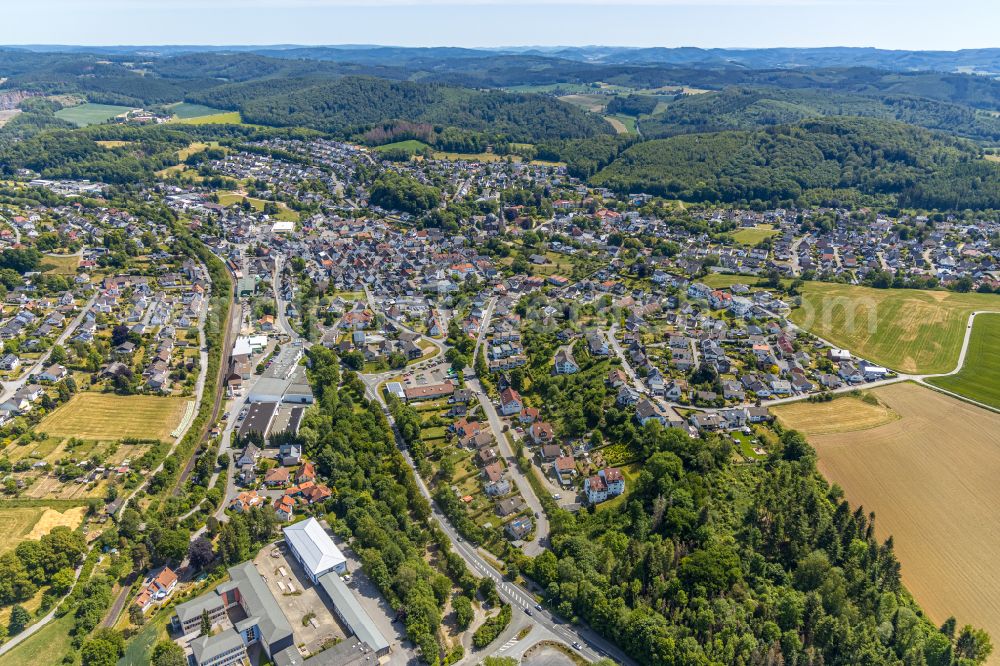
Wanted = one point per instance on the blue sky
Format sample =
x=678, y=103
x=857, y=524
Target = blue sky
x=895, y=24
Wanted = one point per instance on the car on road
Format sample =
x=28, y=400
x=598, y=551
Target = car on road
x=528, y=611
x=577, y=645
x=538, y=607
x=556, y=496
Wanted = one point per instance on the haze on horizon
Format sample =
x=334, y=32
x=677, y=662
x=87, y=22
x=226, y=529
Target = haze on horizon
x=887, y=24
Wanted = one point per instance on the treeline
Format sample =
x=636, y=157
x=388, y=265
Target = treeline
x=377, y=501
x=708, y=562
x=823, y=161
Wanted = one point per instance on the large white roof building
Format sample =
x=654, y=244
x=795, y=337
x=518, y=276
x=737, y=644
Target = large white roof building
x=314, y=548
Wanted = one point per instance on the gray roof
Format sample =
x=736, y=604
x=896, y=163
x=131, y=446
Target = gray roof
x=206, y=648
x=345, y=653
x=258, y=601
x=351, y=612
x=194, y=608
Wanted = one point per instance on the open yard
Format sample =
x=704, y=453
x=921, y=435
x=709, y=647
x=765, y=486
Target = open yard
x=106, y=416
x=846, y=413
x=930, y=477
x=91, y=114
x=908, y=330
x=979, y=378
x=754, y=235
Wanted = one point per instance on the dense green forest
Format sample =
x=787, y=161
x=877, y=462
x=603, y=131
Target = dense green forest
x=352, y=104
x=711, y=563
x=751, y=108
x=817, y=161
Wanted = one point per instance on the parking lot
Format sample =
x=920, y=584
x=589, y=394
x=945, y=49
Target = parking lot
x=428, y=372
x=313, y=623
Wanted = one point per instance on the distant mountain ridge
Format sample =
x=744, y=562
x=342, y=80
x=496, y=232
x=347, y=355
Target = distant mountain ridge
x=984, y=61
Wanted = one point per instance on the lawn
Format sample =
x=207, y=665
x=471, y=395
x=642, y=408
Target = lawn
x=979, y=378
x=930, y=477
x=754, y=235
x=846, y=413
x=90, y=114
x=45, y=648
x=908, y=330
x=186, y=111
x=725, y=280
x=61, y=265
x=139, y=650
x=106, y=416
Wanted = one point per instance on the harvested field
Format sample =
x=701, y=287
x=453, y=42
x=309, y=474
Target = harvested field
x=844, y=414
x=16, y=523
x=931, y=479
x=51, y=518
x=106, y=416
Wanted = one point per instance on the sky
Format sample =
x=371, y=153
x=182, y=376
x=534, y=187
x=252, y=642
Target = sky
x=890, y=24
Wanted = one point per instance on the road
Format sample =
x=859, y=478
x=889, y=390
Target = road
x=10, y=388
x=593, y=646
x=626, y=366
x=541, y=539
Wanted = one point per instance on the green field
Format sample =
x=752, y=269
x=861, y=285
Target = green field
x=221, y=118
x=108, y=417
x=908, y=330
x=979, y=378
x=754, y=235
x=622, y=123
x=45, y=648
x=411, y=146
x=185, y=110
x=90, y=114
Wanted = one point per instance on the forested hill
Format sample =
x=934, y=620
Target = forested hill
x=830, y=160
x=752, y=108
x=352, y=104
